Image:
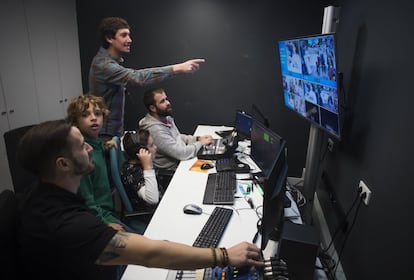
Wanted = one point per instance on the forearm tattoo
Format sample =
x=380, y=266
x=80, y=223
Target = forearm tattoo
x=111, y=250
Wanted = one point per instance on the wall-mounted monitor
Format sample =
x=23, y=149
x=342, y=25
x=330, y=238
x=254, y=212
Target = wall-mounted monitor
x=309, y=77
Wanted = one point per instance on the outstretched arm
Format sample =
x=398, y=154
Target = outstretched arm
x=188, y=66
x=129, y=248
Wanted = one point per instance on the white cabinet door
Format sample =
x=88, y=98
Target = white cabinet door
x=39, y=65
x=18, y=92
x=16, y=68
x=5, y=181
x=55, y=54
x=67, y=42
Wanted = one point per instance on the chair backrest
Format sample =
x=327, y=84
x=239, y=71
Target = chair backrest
x=117, y=159
x=8, y=233
x=21, y=178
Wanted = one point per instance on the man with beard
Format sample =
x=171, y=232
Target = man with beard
x=109, y=79
x=172, y=145
x=60, y=238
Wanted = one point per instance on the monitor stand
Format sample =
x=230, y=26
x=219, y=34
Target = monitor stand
x=310, y=177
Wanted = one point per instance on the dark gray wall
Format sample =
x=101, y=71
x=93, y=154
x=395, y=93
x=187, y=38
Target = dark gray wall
x=239, y=41
x=375, y=54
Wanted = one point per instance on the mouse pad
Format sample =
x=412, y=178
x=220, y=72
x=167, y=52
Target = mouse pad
x=197, y=165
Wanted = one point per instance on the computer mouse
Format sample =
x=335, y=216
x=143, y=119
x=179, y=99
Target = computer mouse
x=192, y=209
x=206, y=165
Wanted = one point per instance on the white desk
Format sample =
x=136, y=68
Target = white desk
x=170, y=223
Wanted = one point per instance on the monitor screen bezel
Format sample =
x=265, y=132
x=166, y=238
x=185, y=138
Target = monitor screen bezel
x=246, y=120
x=299, y=93
x=274, y=194
x=265, y=171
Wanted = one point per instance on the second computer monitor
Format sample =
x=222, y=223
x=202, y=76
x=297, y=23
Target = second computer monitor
x=274, y=198
x=266, y=145
x=243, y=124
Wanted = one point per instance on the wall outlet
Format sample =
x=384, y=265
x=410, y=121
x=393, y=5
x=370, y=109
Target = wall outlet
x=365, y=190
x=330, y=145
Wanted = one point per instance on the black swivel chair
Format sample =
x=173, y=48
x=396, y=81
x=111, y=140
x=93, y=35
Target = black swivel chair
x=21, y=178
x=137, y=220
x=8, y=230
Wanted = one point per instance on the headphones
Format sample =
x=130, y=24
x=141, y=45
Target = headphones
x=140, y=146
x=133, y=145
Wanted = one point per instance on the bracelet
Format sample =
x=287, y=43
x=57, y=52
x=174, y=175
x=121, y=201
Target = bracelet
x=213, y=250
x=225, y=260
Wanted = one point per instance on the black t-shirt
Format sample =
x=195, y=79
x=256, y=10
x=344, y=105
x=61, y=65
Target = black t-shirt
x=60, y=238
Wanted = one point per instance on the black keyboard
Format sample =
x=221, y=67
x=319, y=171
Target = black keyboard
x=220, y=188
x=213, y=229
x=209, y=236
x=231, y=164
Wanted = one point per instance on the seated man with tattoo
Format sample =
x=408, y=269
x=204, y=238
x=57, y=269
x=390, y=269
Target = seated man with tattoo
x=60, y=238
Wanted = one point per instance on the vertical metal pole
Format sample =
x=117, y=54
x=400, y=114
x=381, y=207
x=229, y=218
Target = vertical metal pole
x=330, y=21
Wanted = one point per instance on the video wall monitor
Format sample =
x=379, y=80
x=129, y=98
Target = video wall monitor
x=266, y=146
x=309, y=78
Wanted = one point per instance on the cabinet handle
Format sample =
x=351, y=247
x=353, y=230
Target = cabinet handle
x=66, y=100
x=61, y=101
x=11, y=111
x=3, y=113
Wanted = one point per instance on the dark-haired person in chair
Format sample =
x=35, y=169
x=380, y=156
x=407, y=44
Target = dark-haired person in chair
x=173, y=146
x=137, y=173
x=60, y=238
x=87, y=112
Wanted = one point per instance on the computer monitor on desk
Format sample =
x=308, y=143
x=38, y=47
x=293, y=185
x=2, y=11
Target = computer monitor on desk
x=269, y=152
x=242, y=126
x=266, y=145
x=274, y=199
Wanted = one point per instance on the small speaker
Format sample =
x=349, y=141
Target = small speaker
x=298, y=247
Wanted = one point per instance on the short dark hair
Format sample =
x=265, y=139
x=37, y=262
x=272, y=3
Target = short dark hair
x=108, y=28
x=132, y=142
x=42, y=144
x=149, y=94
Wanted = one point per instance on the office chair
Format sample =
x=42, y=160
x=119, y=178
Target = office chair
x=137, y=220
x=8, y=232
x=21, y=178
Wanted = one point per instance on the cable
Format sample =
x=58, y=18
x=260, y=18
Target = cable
x=259, y=230
x=347, y=234
x=342, y=90
x=300, y=200
x=325, y=150
x=343, y=223
x=328, y=263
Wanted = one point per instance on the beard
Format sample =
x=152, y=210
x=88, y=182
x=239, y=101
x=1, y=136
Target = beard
x=164, y=113
x=83, y=168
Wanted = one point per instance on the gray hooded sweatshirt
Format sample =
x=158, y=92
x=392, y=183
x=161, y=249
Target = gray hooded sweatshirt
x=172, y=146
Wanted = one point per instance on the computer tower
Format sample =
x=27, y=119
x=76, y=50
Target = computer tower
x=298, y=247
